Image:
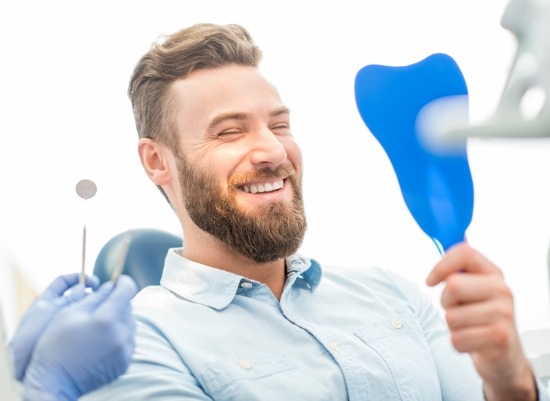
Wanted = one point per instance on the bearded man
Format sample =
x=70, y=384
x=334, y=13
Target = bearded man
x=239, y=315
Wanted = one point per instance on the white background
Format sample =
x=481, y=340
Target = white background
x=65, y=116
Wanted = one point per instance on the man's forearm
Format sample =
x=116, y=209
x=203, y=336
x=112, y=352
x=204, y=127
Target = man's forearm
x=524, y=389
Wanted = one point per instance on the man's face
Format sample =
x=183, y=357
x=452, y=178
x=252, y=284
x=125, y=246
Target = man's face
x=238, y=165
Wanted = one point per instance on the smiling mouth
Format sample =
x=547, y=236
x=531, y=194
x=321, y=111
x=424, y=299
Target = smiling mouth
x=264, y=187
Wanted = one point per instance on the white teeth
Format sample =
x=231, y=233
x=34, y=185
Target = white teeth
x=260, y=188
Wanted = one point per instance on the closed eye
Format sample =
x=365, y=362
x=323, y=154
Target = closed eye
x=281, y=129
x=230, y=132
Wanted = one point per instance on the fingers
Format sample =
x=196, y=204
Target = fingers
x=93, y=300
x=62, y=283
x=479, y=314
x=121, y=295
x=479, y=311
x=493, y=340
x=92, y=282
x=463, y=289
x=59, y=286
x=110, y=298
x=461, y=258
x=74, y=294
x=125, y=288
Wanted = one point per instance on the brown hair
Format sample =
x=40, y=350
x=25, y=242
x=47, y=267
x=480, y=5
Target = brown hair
x=197, y=47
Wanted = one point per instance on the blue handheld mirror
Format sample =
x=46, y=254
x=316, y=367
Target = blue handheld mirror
x=436, y=185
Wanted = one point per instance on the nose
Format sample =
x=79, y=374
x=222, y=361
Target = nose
x=267, y=150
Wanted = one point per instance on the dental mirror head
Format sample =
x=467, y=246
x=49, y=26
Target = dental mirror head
x=86, y=189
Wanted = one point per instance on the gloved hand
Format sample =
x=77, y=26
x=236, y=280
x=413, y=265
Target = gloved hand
x=39, y=315
x=88, y=344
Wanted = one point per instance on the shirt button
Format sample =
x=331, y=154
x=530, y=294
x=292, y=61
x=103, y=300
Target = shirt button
x=246, y=284
x=396, y=323
x=285, y=309
x=334, y=347
x=245, y=364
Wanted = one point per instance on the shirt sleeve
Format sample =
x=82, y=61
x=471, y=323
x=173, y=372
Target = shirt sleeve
x=543, y=392
x=457, y=375
x=456, y=371
x=156, y=373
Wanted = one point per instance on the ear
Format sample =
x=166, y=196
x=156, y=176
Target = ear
x=155, y=160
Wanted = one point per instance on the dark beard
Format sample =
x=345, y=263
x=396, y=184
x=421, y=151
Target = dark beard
x=272, y=232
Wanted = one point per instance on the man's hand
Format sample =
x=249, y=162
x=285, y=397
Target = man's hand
x=480, y=315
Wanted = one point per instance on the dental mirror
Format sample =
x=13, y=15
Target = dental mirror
x=86, y=189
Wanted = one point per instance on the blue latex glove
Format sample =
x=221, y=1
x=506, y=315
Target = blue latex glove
x=88, y=344
x=40, y=314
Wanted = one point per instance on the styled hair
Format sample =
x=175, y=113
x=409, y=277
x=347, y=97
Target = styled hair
x=201, y=46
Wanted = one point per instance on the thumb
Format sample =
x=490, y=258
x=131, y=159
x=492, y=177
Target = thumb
x=93, y=300
x=74, y=294
x=59, y=286
x=121, y=295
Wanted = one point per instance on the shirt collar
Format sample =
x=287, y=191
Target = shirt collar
x=216, y=288
x=306, y=268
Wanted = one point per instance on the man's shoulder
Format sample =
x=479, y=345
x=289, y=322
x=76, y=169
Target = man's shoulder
x=378, y=279
x=156, y=300
x=149, y=295
x=363, y=274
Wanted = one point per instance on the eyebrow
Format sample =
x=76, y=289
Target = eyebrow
x=243, y=116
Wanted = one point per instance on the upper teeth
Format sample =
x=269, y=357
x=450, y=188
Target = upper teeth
x=267, y=187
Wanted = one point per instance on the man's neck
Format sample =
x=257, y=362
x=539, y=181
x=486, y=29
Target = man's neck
x=209, y=251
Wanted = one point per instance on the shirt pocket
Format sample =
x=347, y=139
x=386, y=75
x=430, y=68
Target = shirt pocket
x=264, y=378
x=400, y=342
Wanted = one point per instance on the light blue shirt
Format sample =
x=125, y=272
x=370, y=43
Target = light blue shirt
x=336, y=335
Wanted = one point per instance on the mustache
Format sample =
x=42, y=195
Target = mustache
x=282, y=171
